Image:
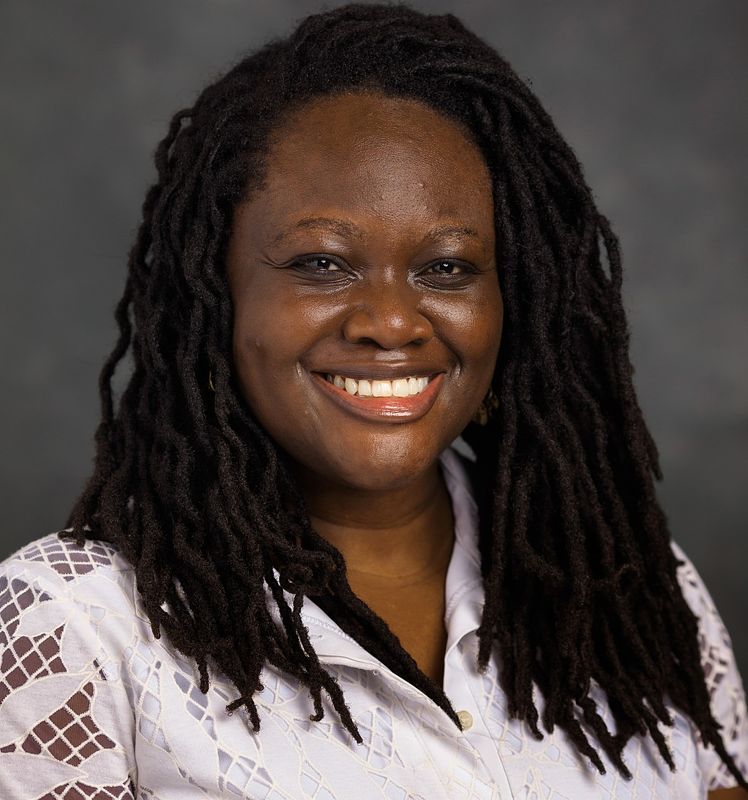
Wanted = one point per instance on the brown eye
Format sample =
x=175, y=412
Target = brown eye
x=448, y=273
x=317, y=264
x=447, y=268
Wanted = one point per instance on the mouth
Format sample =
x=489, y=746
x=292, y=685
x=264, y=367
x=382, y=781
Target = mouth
x=403, y=399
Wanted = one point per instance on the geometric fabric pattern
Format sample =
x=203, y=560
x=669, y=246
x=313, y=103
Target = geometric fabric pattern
x=92, y=707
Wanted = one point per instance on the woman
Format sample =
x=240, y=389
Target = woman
x=367, y=240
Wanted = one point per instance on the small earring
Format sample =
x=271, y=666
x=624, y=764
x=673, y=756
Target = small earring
x=486, y=409
x=210, y=381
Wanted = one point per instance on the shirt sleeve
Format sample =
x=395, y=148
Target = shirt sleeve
x=723, y=679
x=66, y=724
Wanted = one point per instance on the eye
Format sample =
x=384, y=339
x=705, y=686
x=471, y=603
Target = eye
x=317, y=265
x=448, y=273
x=447, y=267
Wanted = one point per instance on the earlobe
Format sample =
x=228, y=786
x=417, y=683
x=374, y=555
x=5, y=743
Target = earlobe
x=486, y=409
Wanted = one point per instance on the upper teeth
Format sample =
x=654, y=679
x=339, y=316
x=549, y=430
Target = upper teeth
x=402, y=387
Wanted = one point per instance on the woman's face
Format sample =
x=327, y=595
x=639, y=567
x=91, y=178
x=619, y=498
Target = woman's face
x=368, y=254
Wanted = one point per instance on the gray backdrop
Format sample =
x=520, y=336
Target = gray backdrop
x=651, y=95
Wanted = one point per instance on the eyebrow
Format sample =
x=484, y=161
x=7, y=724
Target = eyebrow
x=343, y=228
x=457, y=231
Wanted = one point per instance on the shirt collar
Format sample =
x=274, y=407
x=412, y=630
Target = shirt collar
x=464, y=585
x=463, y=590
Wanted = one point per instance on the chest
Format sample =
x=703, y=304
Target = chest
x=410, y=749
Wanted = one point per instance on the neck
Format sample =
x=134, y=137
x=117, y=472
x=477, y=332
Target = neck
x=399, y=534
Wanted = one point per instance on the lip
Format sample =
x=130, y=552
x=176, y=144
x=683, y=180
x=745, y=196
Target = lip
x=383, y=409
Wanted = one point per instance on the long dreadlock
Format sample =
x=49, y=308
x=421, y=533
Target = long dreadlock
x=580, y=579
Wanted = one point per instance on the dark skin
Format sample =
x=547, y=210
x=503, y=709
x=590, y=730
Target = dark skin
x=380, y=298
x=407, y=286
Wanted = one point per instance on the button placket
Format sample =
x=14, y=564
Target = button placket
x=462, y=683
x=457, y=690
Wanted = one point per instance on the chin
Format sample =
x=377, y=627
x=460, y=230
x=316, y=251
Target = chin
x=383, y=466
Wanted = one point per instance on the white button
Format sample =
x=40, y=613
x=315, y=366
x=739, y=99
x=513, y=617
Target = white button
x=466, y=720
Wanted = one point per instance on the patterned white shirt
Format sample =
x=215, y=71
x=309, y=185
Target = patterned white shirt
x=92, y=706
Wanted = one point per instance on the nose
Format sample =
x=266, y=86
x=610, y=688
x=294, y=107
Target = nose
x=387, y=314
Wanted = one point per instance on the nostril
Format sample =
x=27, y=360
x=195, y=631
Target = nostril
x=387, y=330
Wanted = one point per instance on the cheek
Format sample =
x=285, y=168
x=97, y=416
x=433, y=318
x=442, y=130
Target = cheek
x=473, y=326
x=494, y=324
x=253, y=362
x=261, y=315
x=273, y=331
x=478, y=347
x=259, y=351
x=253, y=344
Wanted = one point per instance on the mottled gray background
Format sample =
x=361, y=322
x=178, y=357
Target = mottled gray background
x=651, y=95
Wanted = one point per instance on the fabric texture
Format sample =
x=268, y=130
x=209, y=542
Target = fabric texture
x=93, y=707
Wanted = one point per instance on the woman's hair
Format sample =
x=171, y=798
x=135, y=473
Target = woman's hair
x=580, y=578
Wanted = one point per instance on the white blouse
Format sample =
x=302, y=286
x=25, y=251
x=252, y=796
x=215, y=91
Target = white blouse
x=92, y=706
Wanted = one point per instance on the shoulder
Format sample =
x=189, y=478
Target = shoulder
x=61, y=562
x=714, y=639
x=55, y=581
x=62, y=555
x=67, y=622
x=723, y=679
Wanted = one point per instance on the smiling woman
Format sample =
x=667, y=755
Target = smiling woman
x=366, y=241
x=407, y=290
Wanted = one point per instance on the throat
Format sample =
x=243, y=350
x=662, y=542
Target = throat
x=414, y=611
x=399, y=570
x=388, y=551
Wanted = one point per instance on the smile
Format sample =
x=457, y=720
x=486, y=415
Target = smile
x=400, y=387
x=403, y=399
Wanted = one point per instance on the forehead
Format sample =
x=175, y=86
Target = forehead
x=376, y=153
